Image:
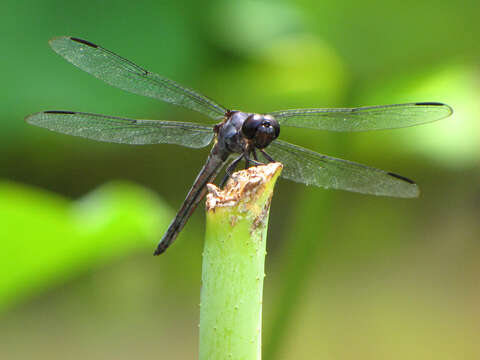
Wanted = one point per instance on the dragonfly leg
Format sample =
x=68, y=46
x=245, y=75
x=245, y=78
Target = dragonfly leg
x=254, y=154
x=229, y=170
x=268, y=157
x=250, y=162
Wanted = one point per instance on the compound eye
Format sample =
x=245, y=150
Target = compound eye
x=250, y=125
x=274, y=124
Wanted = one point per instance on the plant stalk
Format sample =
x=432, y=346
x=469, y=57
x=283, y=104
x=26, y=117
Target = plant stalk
x=234, y=265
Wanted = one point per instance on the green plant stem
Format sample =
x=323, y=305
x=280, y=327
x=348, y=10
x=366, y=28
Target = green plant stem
x=233, y=265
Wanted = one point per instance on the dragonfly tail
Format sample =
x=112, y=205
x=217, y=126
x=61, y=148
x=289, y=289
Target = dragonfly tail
x=196, y=193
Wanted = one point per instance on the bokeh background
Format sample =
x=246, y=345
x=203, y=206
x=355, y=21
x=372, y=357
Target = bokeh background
x=349, y=276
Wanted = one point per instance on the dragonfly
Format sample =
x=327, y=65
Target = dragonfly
x=236, y=135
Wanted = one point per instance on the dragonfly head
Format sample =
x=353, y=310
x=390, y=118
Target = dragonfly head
x=261, y=129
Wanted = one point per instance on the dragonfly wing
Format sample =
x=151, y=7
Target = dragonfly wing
x=308, y=167
x=364, y=118
x=123, y=130
x=122, y=73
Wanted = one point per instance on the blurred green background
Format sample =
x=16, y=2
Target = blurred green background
x=348, y=276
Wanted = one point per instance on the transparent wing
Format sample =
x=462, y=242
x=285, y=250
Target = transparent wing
x=122, y=73
x=305, y=166
x=122, y=130
x=364, y=118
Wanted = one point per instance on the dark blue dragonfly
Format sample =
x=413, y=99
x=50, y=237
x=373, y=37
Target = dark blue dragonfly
x=235, y=135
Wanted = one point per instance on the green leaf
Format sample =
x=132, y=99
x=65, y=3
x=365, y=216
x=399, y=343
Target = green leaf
x=47, y=239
